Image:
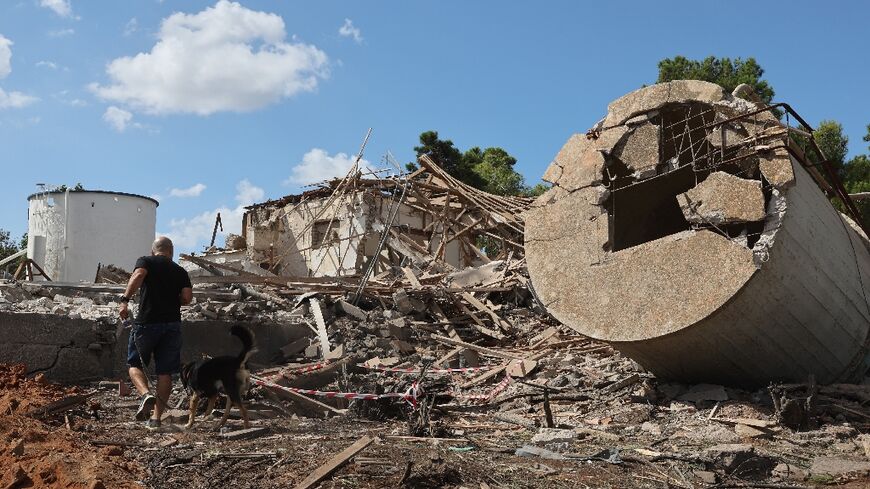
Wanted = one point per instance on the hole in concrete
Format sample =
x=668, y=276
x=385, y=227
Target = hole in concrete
x=648, y=210
x=683, y=136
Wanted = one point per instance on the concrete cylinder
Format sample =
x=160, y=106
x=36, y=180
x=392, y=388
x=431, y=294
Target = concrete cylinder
x=71, y=232
x=690, y=236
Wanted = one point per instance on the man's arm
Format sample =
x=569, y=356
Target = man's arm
x=133, y=285
x=186, y=296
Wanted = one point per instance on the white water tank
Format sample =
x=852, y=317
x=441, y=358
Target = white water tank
x=70, y=232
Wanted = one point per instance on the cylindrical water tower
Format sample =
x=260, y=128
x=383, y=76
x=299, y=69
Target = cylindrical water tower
x=70, y=232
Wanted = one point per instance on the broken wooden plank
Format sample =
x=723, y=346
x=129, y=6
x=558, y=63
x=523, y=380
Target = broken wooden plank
x=479, y=349
x=452, y=353
x=64, y=404
x=322, y=335
x=412, y=278
x=480, y=306
x=478, y=324
x=245, y=434
x=334, y=463
x=308, y=404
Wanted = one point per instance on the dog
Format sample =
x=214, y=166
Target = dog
x=206, y=378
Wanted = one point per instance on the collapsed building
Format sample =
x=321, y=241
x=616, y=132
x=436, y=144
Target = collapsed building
x=347, y=226
x=690, y=231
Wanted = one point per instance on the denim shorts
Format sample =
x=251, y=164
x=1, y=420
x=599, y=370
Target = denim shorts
x=160, y=340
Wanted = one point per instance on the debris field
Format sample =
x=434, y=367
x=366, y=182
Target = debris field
x=438, y=336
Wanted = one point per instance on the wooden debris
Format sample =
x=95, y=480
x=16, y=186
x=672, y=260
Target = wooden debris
x=245, y=434
x=334, y=463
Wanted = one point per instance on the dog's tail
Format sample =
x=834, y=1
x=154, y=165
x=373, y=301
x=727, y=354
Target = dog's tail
x=247, y=338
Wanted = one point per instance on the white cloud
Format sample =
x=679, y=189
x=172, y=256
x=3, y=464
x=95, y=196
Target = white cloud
x=131, y=26
x=10, y=100
x=225, y=58
x=317, y=166
x=248, y=193
x=47, y=64
x=60, y=7
x=15, y=100
x=349, y=30
x=5, y=57
x=119, y=119
x=61, y=33
x=194, y=191
x=192, y=232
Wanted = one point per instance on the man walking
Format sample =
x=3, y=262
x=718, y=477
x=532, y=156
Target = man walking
x=165, y=287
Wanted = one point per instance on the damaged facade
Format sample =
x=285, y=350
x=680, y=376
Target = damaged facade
x=688, y=230
x=347, y=225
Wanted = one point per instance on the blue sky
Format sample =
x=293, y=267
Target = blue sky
x=229, y=103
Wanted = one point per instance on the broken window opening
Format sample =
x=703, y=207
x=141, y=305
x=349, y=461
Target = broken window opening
x=683, y=135
x=648, y=210
x=324, y=233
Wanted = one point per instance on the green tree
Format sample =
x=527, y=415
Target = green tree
x=723, y=71
x=448, y=156
x=833, y=143
x=495, y=168
x=8, y=247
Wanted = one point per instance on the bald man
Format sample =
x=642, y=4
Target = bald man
x=165, y=287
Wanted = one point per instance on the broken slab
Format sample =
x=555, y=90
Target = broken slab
x=723, y=199
x=655, y=96
x=639, y=149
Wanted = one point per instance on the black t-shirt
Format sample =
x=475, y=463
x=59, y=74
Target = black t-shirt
x=159, y=296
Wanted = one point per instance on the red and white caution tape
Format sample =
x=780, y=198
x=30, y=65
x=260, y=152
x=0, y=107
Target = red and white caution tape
x=410, y=370
x=300, y=370
x=411, y=395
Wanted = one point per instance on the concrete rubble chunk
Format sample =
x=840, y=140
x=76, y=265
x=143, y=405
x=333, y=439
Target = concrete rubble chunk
x=723, y=199
x=777, y=168
x=659, y=95
x=553, y=435
x=639, y=149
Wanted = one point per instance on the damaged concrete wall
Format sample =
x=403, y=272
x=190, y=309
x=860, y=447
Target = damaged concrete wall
x=697, y=244
x=322, y=237
x=76, y=350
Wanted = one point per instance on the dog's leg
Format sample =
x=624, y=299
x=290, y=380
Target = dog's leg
x=229, y=406
x=244, y=411
x=194, y=403
x=210, y=406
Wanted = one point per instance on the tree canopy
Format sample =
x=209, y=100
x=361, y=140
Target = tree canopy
x=723, y=71
x=854, y=172
x=491, y=169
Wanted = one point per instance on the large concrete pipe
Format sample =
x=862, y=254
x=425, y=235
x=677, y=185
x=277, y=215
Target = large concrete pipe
x=685, y=231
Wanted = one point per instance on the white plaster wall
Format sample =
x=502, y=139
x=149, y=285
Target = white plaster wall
x=82, y=229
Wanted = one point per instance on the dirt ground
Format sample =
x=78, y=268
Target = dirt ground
x=42, y=453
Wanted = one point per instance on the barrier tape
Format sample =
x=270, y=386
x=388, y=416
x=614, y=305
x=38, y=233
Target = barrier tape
x=411, y=395
x=403, y=370
x=428, y=371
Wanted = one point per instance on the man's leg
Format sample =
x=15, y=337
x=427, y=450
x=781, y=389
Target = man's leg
x=167, y=359
x=164, y=388
x=139, y=349
x=140, y=382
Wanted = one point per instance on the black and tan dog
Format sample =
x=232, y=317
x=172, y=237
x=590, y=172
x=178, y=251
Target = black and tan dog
x=207, y=378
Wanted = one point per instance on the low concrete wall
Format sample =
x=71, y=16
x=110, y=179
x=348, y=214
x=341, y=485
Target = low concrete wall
x=77, y=350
